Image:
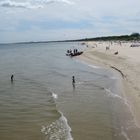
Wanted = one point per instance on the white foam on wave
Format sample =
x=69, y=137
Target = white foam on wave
x=113, y=77
x=58, y=130
x=123, y=133
x=111, y=94
x=90, y=65
x=54, y=95
x=93, y=66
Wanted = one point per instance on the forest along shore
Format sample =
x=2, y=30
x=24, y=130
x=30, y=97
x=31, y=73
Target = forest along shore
x=123, y=57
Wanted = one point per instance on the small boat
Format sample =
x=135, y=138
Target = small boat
x=74, y=54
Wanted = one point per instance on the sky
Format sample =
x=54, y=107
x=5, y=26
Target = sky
x=49, y=20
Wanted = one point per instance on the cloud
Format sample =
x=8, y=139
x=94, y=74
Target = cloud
x=54, y=1
x=31, y=4
x=14, y=4
x=83, y=19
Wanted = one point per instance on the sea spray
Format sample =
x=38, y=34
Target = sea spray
x=55, y=96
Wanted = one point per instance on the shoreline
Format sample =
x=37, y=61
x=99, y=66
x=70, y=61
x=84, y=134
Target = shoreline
x=126, y=62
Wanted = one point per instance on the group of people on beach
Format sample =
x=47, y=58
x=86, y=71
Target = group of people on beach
x=72, y=52
x=108, y=48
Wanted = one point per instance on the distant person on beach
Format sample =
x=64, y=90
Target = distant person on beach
x=12, y=78
x=107, y=48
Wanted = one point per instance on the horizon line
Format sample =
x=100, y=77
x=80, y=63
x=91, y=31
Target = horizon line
x=68, y=40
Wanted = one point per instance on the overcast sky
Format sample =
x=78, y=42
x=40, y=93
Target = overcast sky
x=44, y=20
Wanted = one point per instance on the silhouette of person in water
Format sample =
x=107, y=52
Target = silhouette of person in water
x=73, y=81
x=12, y=78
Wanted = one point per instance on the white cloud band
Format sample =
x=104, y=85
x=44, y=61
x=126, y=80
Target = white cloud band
x=9, y=3
x=53, y=1
x=29, y=5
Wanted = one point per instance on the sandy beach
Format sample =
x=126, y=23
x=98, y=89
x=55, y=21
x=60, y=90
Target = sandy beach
x=126, y=61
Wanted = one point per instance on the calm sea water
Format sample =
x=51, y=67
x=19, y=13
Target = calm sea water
x=42, y=104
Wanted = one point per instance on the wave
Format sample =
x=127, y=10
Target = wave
x=124, y=134
x=58, y=130
x=93, y=66
x=111, y=94
x=113, y=78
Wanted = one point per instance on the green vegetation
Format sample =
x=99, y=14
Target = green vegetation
x=133, y=36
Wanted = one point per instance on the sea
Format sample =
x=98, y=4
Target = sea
x=41, y=103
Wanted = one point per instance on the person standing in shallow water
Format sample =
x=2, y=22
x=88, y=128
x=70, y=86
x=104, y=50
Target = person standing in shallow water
x=73, y=82
x=12, y=78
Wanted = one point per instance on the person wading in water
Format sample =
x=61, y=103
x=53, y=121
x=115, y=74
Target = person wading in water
x=73, y=81
x=12, y=78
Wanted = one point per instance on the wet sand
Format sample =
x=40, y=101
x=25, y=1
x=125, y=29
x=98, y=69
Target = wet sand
x=126, y=62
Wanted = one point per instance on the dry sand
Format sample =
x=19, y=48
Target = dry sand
x=127, y=62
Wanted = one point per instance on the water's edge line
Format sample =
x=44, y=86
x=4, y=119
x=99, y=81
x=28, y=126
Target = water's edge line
x=122, y=78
